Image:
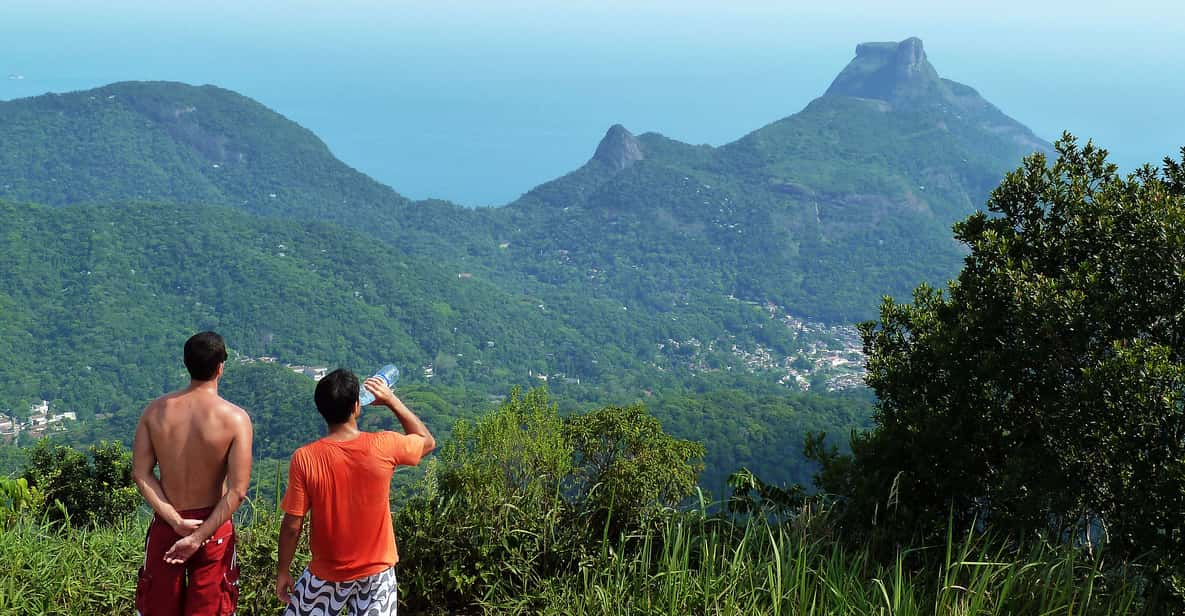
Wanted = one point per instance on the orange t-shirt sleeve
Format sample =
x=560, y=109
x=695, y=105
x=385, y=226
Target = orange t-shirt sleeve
x=404, y=449
x=296, y=498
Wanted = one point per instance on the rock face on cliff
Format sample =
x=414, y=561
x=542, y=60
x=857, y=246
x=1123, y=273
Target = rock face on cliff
x=899, y=77
x=619, y=148
x=895, y=72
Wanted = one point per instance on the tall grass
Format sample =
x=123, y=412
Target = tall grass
x=708, y=566
x=46, y=569
x=690, y=563
x=53, y=568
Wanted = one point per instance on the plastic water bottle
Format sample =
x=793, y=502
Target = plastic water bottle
x=388, y=373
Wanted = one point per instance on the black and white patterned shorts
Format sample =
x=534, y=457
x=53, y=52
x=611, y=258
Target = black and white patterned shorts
x=375, y=595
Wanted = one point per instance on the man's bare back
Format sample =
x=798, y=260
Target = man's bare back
x=189, y=435
x=202, y=445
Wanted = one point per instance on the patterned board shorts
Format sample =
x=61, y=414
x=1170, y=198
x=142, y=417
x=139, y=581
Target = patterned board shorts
x=375, y=595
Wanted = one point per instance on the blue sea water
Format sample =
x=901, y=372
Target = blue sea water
x=478, y=105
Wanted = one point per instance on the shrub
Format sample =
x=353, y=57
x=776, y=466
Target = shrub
x=93, y=488
x=520, y=496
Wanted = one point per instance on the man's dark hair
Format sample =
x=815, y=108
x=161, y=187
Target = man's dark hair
x=203, y=353
x=336, y=395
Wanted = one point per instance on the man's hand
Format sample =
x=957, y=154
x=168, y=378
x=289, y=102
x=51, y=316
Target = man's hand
x=382, y=394
x=182, y=550
x=284, y=587
x=186, y=527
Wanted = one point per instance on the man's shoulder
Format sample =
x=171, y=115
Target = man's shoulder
x=158, y=404
x=232, y=412
x=394, y=435
x=383, y=437
x=309, y=449
x=388, y=434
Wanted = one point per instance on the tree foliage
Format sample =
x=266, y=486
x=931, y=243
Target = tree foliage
x=92, y=489
x=627, y=468
x=523, y=494
x=1043, y=390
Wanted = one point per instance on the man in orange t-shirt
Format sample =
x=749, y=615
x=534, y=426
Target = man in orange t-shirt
x=344, y=482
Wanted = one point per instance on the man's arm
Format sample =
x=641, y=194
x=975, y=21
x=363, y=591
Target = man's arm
x=143, y=461
x=411, y=424
x=289, y=534
x=238, y=478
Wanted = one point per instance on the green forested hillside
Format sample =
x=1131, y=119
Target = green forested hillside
x=100, y=299
x=201, y=145
x=161, y=141
x=821, y=212
x=658, y=271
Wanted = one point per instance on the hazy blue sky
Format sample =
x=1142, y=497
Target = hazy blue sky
x=480, y=101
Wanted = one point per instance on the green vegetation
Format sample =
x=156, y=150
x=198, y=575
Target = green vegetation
x=1027, y=440
x=170, y=209
x=758, y=429
x=162, y=141
x=694, y=564
x=64, y=570
x=1041, y=393
x=101, y=305
x=84, y=489
x=522, y=493
x=501, y=523
x=702, y=565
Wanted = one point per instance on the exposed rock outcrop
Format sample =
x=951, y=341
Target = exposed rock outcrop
x=619, y=148
x=894, y=72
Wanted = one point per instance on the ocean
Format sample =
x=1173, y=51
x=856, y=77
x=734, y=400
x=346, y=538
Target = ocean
x=478, y=107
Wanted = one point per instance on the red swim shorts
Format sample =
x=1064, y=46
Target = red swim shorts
x=206, y=584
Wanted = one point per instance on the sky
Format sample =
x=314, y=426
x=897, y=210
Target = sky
x=479, y=101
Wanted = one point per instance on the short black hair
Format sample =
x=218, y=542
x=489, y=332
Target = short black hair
x=203, y=353
x=336, y=395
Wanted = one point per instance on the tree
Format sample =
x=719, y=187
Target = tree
x=93, y=488
x=1043, y=391
x=519, y=496
x=490, y=504
x=627, y=468
x=516, y=455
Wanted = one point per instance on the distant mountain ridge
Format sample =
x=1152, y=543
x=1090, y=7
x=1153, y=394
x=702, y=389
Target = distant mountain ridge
x=169, y=141
x=656, y=261
x=822, y=211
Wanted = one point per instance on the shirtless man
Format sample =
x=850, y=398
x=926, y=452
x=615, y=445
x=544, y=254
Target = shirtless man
x=202, y=445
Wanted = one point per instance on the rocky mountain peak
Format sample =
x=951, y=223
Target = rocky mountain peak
x=895, y=72
x=619, y=148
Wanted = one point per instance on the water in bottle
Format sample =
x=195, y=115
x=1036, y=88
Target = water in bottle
x=388, y=373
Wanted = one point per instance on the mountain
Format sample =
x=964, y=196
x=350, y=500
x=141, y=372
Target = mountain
x=198, y=145
x=821, y=212
x=140, y=212
x=161, y=141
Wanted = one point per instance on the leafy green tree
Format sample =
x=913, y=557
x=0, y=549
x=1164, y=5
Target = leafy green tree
x=490, y=503
x=94, y=488
x=1044, y=390
x=753, y=497
x=518, y=454
x=521, y=495
x=627, y=468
